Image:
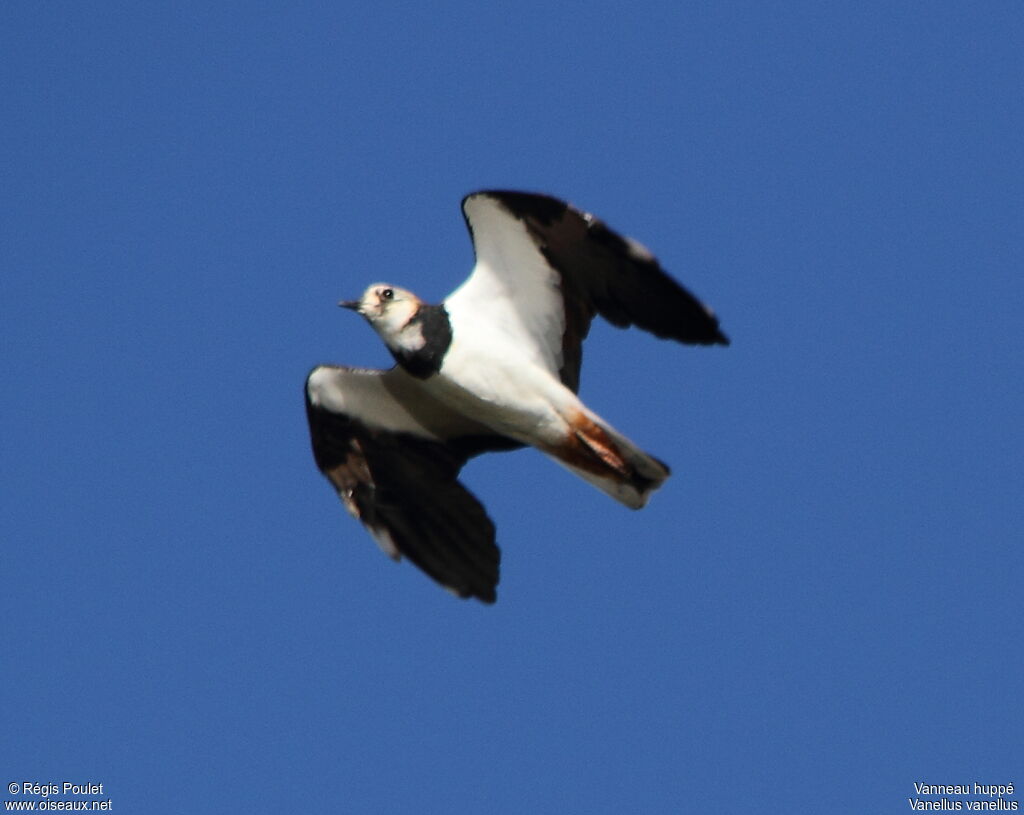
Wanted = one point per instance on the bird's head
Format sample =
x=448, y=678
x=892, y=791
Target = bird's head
x=387, y=308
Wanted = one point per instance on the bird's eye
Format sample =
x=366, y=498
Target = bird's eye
x=387, y=294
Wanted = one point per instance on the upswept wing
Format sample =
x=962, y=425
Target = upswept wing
x=544, y=269
x=394, y=456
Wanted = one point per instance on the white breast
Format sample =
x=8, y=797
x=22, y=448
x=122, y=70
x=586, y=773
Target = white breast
x=499, y=382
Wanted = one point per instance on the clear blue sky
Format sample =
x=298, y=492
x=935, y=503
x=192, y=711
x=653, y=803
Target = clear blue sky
x=821, y=607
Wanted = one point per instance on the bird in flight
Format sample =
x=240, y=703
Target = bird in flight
x=495, y=367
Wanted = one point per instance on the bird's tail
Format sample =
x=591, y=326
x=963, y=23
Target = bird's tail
x=598, y=453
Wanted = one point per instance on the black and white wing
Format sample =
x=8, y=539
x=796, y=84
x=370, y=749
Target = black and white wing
x=394, y=456
x=544, y=269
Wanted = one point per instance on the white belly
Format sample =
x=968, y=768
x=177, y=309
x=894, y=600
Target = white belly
x=495, y=383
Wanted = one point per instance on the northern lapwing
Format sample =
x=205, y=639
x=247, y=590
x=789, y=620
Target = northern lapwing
x=495, y=367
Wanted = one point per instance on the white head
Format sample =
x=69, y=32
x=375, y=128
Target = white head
x=387, y=308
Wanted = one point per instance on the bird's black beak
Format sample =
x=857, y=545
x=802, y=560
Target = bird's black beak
x=350, y=304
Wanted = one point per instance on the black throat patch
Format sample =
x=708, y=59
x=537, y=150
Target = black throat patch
x=424, y=361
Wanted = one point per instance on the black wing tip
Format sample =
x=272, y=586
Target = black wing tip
x=717, y=338
x=474, y=588
x=704, y=332
x=487, y=596
x=457, y=574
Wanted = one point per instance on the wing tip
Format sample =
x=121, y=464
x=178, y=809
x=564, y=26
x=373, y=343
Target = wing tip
x=487, y=595
x=488, y=598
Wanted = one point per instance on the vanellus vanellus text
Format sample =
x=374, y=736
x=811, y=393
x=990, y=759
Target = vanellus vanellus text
x=495, y=367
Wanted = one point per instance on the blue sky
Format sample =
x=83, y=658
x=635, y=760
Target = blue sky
x=821, y=607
